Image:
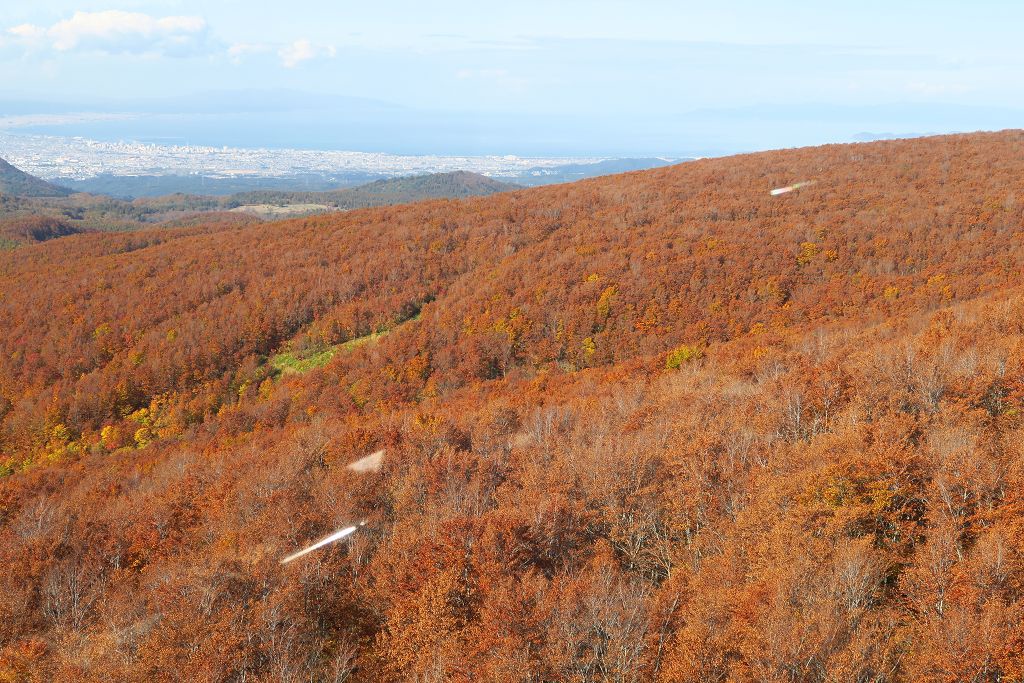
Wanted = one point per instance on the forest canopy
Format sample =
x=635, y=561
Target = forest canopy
x=654, y=426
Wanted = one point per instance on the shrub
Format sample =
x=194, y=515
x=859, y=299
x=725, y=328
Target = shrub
x=683, y=354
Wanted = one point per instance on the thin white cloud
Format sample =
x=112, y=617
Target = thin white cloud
x=238, y=51
x=27, y=32
x=118, y=32
x=290, y=54
x=303, y=50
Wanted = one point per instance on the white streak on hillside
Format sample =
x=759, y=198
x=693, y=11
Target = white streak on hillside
x=789, y=188
x=370, y=463
x=336, y=536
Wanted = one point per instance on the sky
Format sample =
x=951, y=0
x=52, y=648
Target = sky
x=603, y=75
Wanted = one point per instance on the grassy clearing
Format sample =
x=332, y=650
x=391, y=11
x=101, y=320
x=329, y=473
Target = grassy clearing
x=271, y=211
x=299, y=362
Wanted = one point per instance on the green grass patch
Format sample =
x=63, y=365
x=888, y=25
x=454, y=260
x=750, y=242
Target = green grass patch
x=289, y=362
x=284, y=363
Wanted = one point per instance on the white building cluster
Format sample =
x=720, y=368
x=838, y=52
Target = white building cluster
x=77, y=158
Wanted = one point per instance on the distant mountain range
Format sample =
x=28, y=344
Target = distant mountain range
x=33, y=210
x=133, y=186
x=386, y=191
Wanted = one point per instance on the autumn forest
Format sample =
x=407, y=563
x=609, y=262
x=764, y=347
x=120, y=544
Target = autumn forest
x=656, y=426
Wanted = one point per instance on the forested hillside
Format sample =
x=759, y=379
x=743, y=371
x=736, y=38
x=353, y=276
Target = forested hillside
x=654, y=426
x=16, y=182
x=386, y=192
x=32, y=210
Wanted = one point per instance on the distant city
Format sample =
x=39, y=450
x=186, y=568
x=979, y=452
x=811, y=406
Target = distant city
x=60, y=158
x=132, y=168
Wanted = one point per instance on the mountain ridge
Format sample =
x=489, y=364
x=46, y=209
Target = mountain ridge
x=448, y=185
x=21, y=217
x=14, y=181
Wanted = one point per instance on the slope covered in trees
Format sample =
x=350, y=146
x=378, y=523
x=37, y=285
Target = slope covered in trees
x=653, y=426
x=85, y=212
x=35, y=228
x=385, y=192
x=16, y=182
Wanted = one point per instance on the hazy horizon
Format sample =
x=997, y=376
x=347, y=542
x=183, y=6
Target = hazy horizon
x=604, y=78
x=374, y=127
